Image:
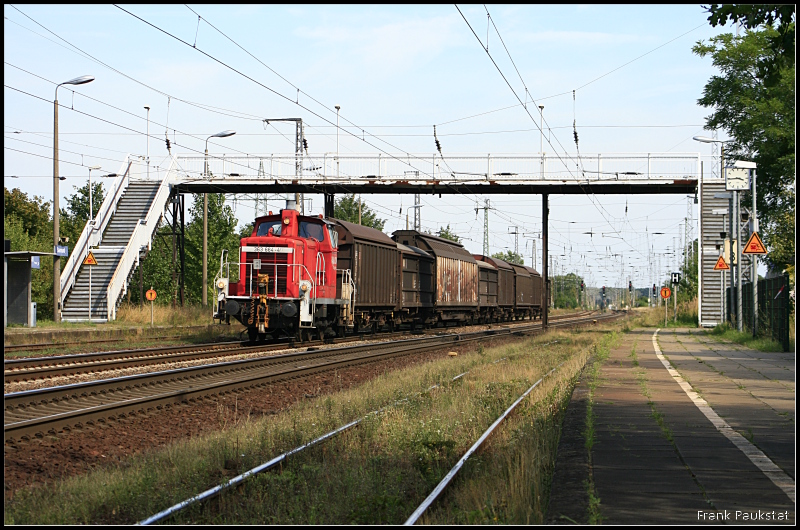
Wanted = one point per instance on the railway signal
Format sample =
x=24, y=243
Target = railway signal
x=630, y=286
x=151, y=295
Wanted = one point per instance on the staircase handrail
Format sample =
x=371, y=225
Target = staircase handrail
x=90, y=235
x=142, y=236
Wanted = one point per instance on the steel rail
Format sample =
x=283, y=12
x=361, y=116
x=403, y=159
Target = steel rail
x=48, y=345
x=452, y=473
x=15, y=370
x=32, y=412
x=282, y=457
x=38, y=411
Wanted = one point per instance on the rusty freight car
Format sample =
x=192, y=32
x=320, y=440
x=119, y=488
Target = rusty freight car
x=455, y=275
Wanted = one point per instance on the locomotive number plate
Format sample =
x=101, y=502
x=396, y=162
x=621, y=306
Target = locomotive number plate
x=270, y=250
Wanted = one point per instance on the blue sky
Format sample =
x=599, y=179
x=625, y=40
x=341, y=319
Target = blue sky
x=395, y=71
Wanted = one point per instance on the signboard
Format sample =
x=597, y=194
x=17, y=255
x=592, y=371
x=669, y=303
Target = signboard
x=257, y=264
x=666, y=292
x=90, y=259
x=269, y=250
x=35, y=262
x=62, y=250
x=151, y=295
x=721, y=265
x=676, y=277
x=754, y=245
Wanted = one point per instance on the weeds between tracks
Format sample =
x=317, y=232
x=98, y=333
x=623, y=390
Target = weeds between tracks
x=376, y=473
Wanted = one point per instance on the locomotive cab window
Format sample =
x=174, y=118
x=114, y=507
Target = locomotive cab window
x=311, y=229
x=334, y=237
x=263, y=228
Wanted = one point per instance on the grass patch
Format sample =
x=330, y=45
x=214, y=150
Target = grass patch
x=724, y=331
x=652, y=317
x=375, y=473
x=136, y=315
x=602, y=350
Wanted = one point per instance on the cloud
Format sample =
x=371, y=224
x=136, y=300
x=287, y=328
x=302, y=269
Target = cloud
x=577, y=38
x=395, y=46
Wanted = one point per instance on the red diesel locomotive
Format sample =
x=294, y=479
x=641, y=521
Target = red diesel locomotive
x=286, y=281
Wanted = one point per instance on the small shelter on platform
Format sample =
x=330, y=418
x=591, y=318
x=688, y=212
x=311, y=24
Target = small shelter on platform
x=17, y=303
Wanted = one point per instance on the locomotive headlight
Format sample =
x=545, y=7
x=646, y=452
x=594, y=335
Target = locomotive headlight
x=286, y=221
x=221, y=284
x=304, y=287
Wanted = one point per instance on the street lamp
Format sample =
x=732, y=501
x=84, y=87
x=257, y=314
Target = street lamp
x=223, y=134
x=337, y=107
x=56, y=260
x=91, y=234
x=147, y=108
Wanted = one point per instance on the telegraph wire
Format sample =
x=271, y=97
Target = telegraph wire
x=129, y=129
x=203, y=106
x=60, y=150
x=274, y=91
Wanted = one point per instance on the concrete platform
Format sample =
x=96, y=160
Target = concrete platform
x=661, y=455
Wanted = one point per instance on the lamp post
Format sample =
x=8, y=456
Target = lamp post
x=56, y=259
x=337, y=141
x=147, y=108
x=91, y=234
x=223, y=134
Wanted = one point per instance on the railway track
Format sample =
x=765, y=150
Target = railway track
x=16, y=370
x=49, y=410
x=13, y=348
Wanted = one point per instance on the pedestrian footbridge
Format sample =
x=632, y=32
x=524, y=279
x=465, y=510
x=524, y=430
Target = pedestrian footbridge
x=124, y=227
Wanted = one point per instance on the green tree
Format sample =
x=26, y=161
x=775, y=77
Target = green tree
x=446, y=233
x=509, y=256
x=28, y=226
x=760, y=118
x=222, y=234
x=33, y=213
x=567, y=290
x=752, y=16
x=346, y=209
x=72, y=219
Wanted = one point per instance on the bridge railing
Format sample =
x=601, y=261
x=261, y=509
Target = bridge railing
x=92, y=232
x=142, y=236
x=422, y=168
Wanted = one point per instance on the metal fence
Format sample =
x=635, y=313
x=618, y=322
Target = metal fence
x=774, y=308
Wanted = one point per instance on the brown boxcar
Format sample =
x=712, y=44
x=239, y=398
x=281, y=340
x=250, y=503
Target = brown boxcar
x=523, y=290
x=374, y=261
x=487, y=287
x=505, y=280
x=455, y=273
x=537, y=290
x=417, y=268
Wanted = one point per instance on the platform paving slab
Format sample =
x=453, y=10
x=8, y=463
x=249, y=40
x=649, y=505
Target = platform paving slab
x=685, y=471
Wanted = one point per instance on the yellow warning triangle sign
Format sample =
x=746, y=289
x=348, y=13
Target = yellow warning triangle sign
x=754, y=245
x=721, y=265
x=90, y=259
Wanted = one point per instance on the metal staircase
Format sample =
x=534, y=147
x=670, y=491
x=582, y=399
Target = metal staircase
x=123, y=228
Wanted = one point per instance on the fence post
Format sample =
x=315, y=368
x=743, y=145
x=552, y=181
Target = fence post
x=786, y=312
